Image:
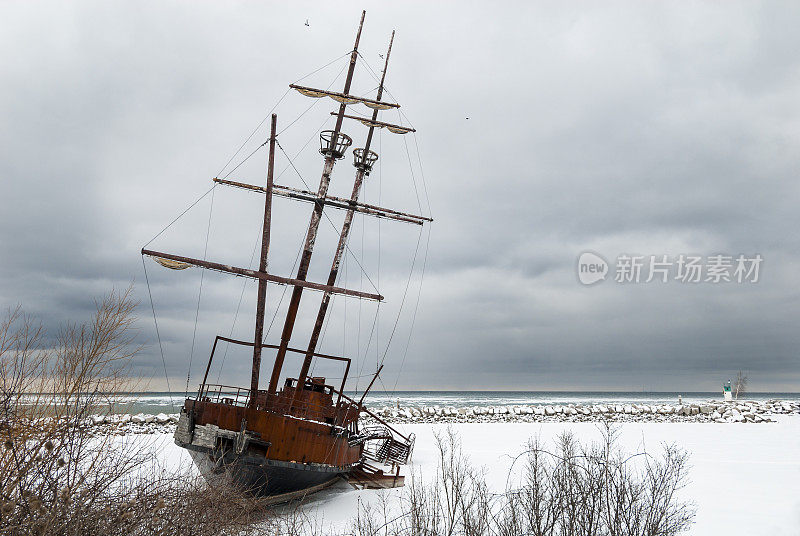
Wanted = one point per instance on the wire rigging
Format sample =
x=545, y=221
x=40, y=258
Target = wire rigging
x=404, y=118
x=380, y=190
x=403, y=300
x=374, y=333
x=273, y=109
x=253, y=133
x=180, y=215
x=330, y=221
x=416, y=309
x=158, y=334
x=316, y=101
x=199, y=293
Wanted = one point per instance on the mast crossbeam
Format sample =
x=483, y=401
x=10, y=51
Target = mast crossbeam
x=373, y=123
x=264, y=276
x=344, y=98
x=332, y=201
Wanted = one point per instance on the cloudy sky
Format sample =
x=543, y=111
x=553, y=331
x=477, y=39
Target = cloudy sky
x=545, y=129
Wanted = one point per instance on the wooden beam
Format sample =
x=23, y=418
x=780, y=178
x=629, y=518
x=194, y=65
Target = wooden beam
x=263, y=276
x=275, y=347
x=262, y=266
x=332, y=201
x=345, y=95
x=379, y=124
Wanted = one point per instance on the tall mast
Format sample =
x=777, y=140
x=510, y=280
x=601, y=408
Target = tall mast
x=361, y=170
x=313, y=226
x=262, y=267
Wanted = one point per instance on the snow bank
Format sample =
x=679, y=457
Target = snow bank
x=743, y=478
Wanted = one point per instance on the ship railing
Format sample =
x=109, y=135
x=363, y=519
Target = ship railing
x=376, y=417
x=224, y=394
x=219, y=338
x=342, y=414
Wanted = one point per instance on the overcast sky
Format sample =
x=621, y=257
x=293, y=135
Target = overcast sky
x=545, y=129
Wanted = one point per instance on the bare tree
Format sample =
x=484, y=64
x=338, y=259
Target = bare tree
x=740, y=385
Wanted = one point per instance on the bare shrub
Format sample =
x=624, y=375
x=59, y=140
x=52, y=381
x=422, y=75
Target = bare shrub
x=597, y=490
x=58, y=478
x=573, y=489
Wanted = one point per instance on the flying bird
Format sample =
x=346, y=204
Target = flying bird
x=307, y=24
x=381, y=56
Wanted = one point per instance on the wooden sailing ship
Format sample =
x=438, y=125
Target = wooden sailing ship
x=299, y=436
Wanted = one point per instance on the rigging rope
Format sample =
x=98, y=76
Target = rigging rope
x=253, y=133
x=252, y=257
x=330, y=221
x=313, y=104
x=229, y=173
x=361, y=288
x=200, y=293
x=274, y=316
x=403, y=117
x=324, y=66
x=180, y=215
x=208, y=230
x=255, y=248
x=422, y=175
x=363, y=273
x=273, y=109
x=378, y=277
x=416, y=309
x=410, y=275
x=403, y=301
x=240, y=148
x=413, y=179
x=158, y=335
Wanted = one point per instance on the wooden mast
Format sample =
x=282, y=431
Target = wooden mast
x=361, y=171
x=313, y=226
x=262, y=267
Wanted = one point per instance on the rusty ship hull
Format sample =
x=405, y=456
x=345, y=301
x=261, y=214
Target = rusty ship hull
x=294, y=442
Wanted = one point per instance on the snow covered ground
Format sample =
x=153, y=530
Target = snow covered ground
x=745, y=478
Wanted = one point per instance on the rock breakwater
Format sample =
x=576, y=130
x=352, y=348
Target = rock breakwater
x=709, y=412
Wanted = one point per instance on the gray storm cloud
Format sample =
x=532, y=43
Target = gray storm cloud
x=625, y=128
